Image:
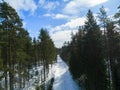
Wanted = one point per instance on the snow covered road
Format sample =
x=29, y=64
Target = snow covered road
x=62, y=76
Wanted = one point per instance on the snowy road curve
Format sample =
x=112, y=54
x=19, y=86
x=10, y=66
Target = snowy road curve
x=62, y=76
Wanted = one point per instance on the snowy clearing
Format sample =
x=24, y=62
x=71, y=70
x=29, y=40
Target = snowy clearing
x=62, y=76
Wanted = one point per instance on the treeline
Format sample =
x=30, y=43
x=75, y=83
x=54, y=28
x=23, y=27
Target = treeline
x=19, y=53
x=94, y=52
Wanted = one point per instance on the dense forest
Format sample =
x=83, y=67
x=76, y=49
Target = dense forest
x=19, y=52
x=93, y=54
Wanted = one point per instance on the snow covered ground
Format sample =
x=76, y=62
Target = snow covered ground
x=59, y=71
x=62, y=76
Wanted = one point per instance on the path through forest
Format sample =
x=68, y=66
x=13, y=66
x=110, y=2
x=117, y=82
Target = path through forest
x=62, y=76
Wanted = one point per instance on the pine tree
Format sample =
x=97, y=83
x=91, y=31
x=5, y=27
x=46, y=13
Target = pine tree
x=13, y=38
x=117, y=16
x=93, y=51
x=23, y=59
x=0, y=61
x=73, y=62
x=113, y=40
x=102, y=16
x=35, y=50
x=18, y=54
x=10, y=23
x=47, y=51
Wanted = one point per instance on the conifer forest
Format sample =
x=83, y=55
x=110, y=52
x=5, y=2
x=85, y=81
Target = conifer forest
x=90, y=61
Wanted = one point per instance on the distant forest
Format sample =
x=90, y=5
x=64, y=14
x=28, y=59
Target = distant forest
x=93, y=55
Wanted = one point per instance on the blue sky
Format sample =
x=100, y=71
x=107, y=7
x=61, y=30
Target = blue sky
x=59, y=17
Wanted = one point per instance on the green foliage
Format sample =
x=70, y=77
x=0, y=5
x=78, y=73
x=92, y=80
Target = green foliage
x=0, y=60
x=17, y=51
x=117, y=16
x=102, y=16
x=48, y=50
x=37, y=87
x=90, y=24
x=113, y=43
x=87, y=56
x=93, y=56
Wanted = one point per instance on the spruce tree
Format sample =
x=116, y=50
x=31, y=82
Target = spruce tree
x=47, y=50
x=10, y=22
x=13, y=38
x=102, y=16
x=93, y=51
x=113, y=40
x=117, y=16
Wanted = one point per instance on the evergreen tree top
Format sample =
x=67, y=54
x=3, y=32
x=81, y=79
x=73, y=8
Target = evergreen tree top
x=91, y=23
x=9, y=15
x=44, y=35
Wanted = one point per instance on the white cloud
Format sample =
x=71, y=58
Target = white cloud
x=65, y=0
x=24, y=24
x=62, y=33
x=75, y=22
x=48, y=15
x=60, y=37
x=27, y=5
x=57, y=16
x=51, y=5
x=48, y=5
x=107, y=9
x=74, y=6
x=41, y=2
x=61, y=16
x=70, y=25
